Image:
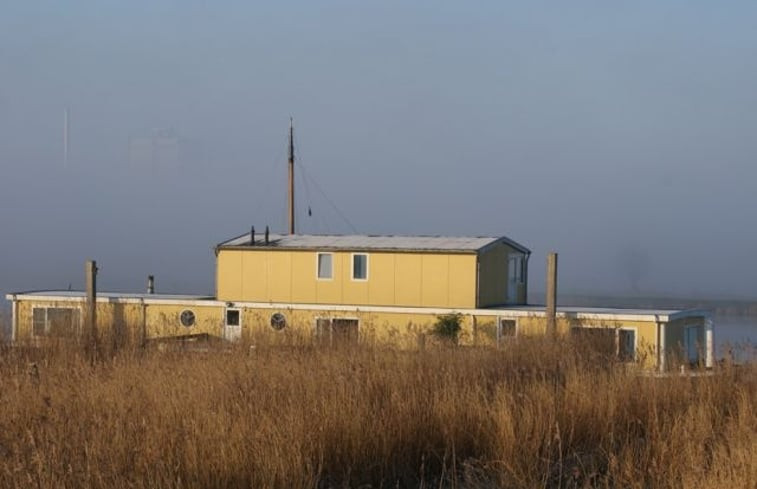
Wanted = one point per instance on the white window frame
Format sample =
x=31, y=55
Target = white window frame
x=617, y=337
x=352, y=267
x=331, y=320
x=500, y=337
x=47, y=322
x=226, y=317
x=317, y=268
x=635, y=341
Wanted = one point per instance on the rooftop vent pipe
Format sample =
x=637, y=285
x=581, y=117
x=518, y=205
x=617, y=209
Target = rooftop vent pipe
x=266, y=235
x=252, y=236
x=150, y=284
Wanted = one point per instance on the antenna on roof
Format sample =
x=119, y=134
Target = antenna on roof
x=291, y=176
x=65, y=137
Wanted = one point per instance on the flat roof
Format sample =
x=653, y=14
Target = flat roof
x=591, y=313
x=78, y=294
x=457, y=244
x=594, y=310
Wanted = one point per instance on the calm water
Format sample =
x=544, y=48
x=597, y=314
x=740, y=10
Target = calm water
x=737, y=335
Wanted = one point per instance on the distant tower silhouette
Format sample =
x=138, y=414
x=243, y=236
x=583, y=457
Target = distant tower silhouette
x=65, y=137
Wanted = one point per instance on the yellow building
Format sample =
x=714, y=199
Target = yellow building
x=369, y=289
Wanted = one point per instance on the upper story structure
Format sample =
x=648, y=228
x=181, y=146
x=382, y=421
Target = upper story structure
x=417, y=271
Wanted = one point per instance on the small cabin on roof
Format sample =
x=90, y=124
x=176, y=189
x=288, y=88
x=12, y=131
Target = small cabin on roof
x=416, y=271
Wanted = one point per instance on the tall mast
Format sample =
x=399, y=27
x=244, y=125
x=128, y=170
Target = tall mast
x=291, y=176
x=65, y=137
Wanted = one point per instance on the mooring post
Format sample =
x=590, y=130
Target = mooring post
x=90, y=274
x=551, y=311
x=709, y=342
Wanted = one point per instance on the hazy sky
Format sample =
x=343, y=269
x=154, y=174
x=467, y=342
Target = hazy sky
x=622, y=136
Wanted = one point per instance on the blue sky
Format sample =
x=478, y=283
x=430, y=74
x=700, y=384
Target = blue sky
x=621, y=136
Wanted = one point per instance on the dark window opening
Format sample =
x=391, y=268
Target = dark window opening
x=278, y=321
x=359, y=267
x=232, y=317
x=187, y=318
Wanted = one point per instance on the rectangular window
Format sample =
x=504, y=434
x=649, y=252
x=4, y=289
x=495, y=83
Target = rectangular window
x=627, y=344
x=516, y=266
x=59, y=322
x=506, y=329
x=336, y=331
x=325, y=266
x=39, y=319
x=323, y=331
x=359, y=267
x=620, y=342
x=232, y=317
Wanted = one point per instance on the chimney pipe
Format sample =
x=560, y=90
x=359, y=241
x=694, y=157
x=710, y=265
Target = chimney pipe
x=252, y=236
x=551, y=293
x=266, y=235
x=150, y=284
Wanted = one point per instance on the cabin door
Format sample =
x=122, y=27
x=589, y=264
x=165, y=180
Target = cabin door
x=692, y=344
x=514, y=277
x=232, y=329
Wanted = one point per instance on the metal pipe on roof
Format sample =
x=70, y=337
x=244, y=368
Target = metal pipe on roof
x=252, y=236
x=266, y=235
x=150, y=284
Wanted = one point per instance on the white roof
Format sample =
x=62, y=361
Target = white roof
x=371, y=242
x=596, y=313
x=76, y=294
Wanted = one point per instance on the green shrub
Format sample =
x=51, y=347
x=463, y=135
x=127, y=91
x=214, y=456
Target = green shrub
x=447, y=327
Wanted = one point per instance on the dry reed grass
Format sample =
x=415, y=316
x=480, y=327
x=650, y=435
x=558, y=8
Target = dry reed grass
x=538, y=413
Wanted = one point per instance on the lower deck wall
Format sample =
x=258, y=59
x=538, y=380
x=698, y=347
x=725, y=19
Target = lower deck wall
x=138, y=322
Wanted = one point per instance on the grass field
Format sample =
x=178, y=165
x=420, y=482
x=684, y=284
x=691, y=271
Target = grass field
x=538, y=413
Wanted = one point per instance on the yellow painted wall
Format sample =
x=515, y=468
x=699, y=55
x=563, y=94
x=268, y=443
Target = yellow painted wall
x=117, y=320
x=394, y=279
x=126, y=323
x=135, y=322
x=163, y=320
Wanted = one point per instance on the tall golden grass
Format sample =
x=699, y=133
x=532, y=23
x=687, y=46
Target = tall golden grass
x=538, y=413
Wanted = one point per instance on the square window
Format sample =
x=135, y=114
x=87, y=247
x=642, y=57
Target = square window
x=61, y=322
x=359, y=267
x=325, y=269
x=232, y=317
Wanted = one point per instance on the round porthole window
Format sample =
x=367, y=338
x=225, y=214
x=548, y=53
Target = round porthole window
x=187, y=318
x=278, y=321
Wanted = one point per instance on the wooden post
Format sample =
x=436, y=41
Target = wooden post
x=661, y=348
x=551, y=293
x=709, y=342
x=90, y=276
